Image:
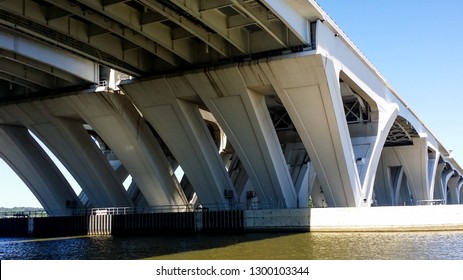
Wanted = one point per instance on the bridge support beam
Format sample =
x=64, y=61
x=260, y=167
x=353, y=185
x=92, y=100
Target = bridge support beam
x=438, y=192
x=390, y=188
x=317, y=194
x=62, y=131
x=454, y=186
x=24, y=155
x=368, y=149
x=310, y=92
x=118, y=123
x=51, y=56
x=243, y=115
x=301, y=170
x=181, y=126
x=445, y=183
x=415, y=161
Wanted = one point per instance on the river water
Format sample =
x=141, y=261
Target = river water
x=249, y=246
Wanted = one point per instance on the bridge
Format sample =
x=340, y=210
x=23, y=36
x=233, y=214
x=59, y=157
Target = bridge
x=259, y=103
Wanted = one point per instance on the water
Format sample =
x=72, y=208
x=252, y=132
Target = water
x=250, y=246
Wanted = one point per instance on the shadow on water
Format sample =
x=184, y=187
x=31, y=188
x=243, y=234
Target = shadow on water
x=122, y=247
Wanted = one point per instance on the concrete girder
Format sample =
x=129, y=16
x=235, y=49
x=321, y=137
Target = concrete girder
x=30, y=17
x=214, y=41
x=313, y=100
x=243, y=115
x=157, y=32
x=218, y=22
x=24, y=155
x=43, y=67
x=54, y=123
x=56, y=58
x=271, y=25
x=121, y=127
x=108, y=25
x=26, y=85
x=181, y=126
x=37, y=78
x=291, y=13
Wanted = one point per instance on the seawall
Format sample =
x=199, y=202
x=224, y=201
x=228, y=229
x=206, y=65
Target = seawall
x=400, y=218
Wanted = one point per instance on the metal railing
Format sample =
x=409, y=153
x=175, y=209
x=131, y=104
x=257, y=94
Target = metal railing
x=144, y=210
x=167, y=209
x=431, y=202
x=173, y=209
x=23, y=214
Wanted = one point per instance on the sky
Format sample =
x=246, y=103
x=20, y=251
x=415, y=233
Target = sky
x=415, y=44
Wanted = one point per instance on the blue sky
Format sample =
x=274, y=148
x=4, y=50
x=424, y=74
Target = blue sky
x=415, y=44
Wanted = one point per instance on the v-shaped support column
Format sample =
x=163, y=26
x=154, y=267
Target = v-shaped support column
x=310, y=93
x=180, y=124
x=454, y=186
x=243, y=115
x=416, y=164
x=62, y=131
x=24, y=155
x=119, y=124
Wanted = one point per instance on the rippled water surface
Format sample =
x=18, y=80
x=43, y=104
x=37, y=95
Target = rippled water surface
x=312, y=246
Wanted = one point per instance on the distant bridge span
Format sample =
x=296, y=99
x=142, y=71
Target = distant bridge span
x=262, y=103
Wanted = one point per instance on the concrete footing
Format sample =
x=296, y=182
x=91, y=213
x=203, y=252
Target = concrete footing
x=403, y=218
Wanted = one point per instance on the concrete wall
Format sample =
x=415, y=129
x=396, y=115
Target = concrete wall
x=400, y=218
x=277, y=219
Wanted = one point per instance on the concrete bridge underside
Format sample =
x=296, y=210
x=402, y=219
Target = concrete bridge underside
x=286, y=113
x=287, y=137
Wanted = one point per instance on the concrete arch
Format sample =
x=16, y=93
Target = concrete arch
x=308, y=87
x=60, y=128
x=419, y=160
x=368, y=133
x=454, y=187
x=32, y=164
x=177, y=119
x=243, y=114
x=120, y=126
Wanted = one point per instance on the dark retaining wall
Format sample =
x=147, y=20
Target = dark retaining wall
x=60, y=226
x=153, y=223
x=222, y=221
x=131, y=224
x=14, y=227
